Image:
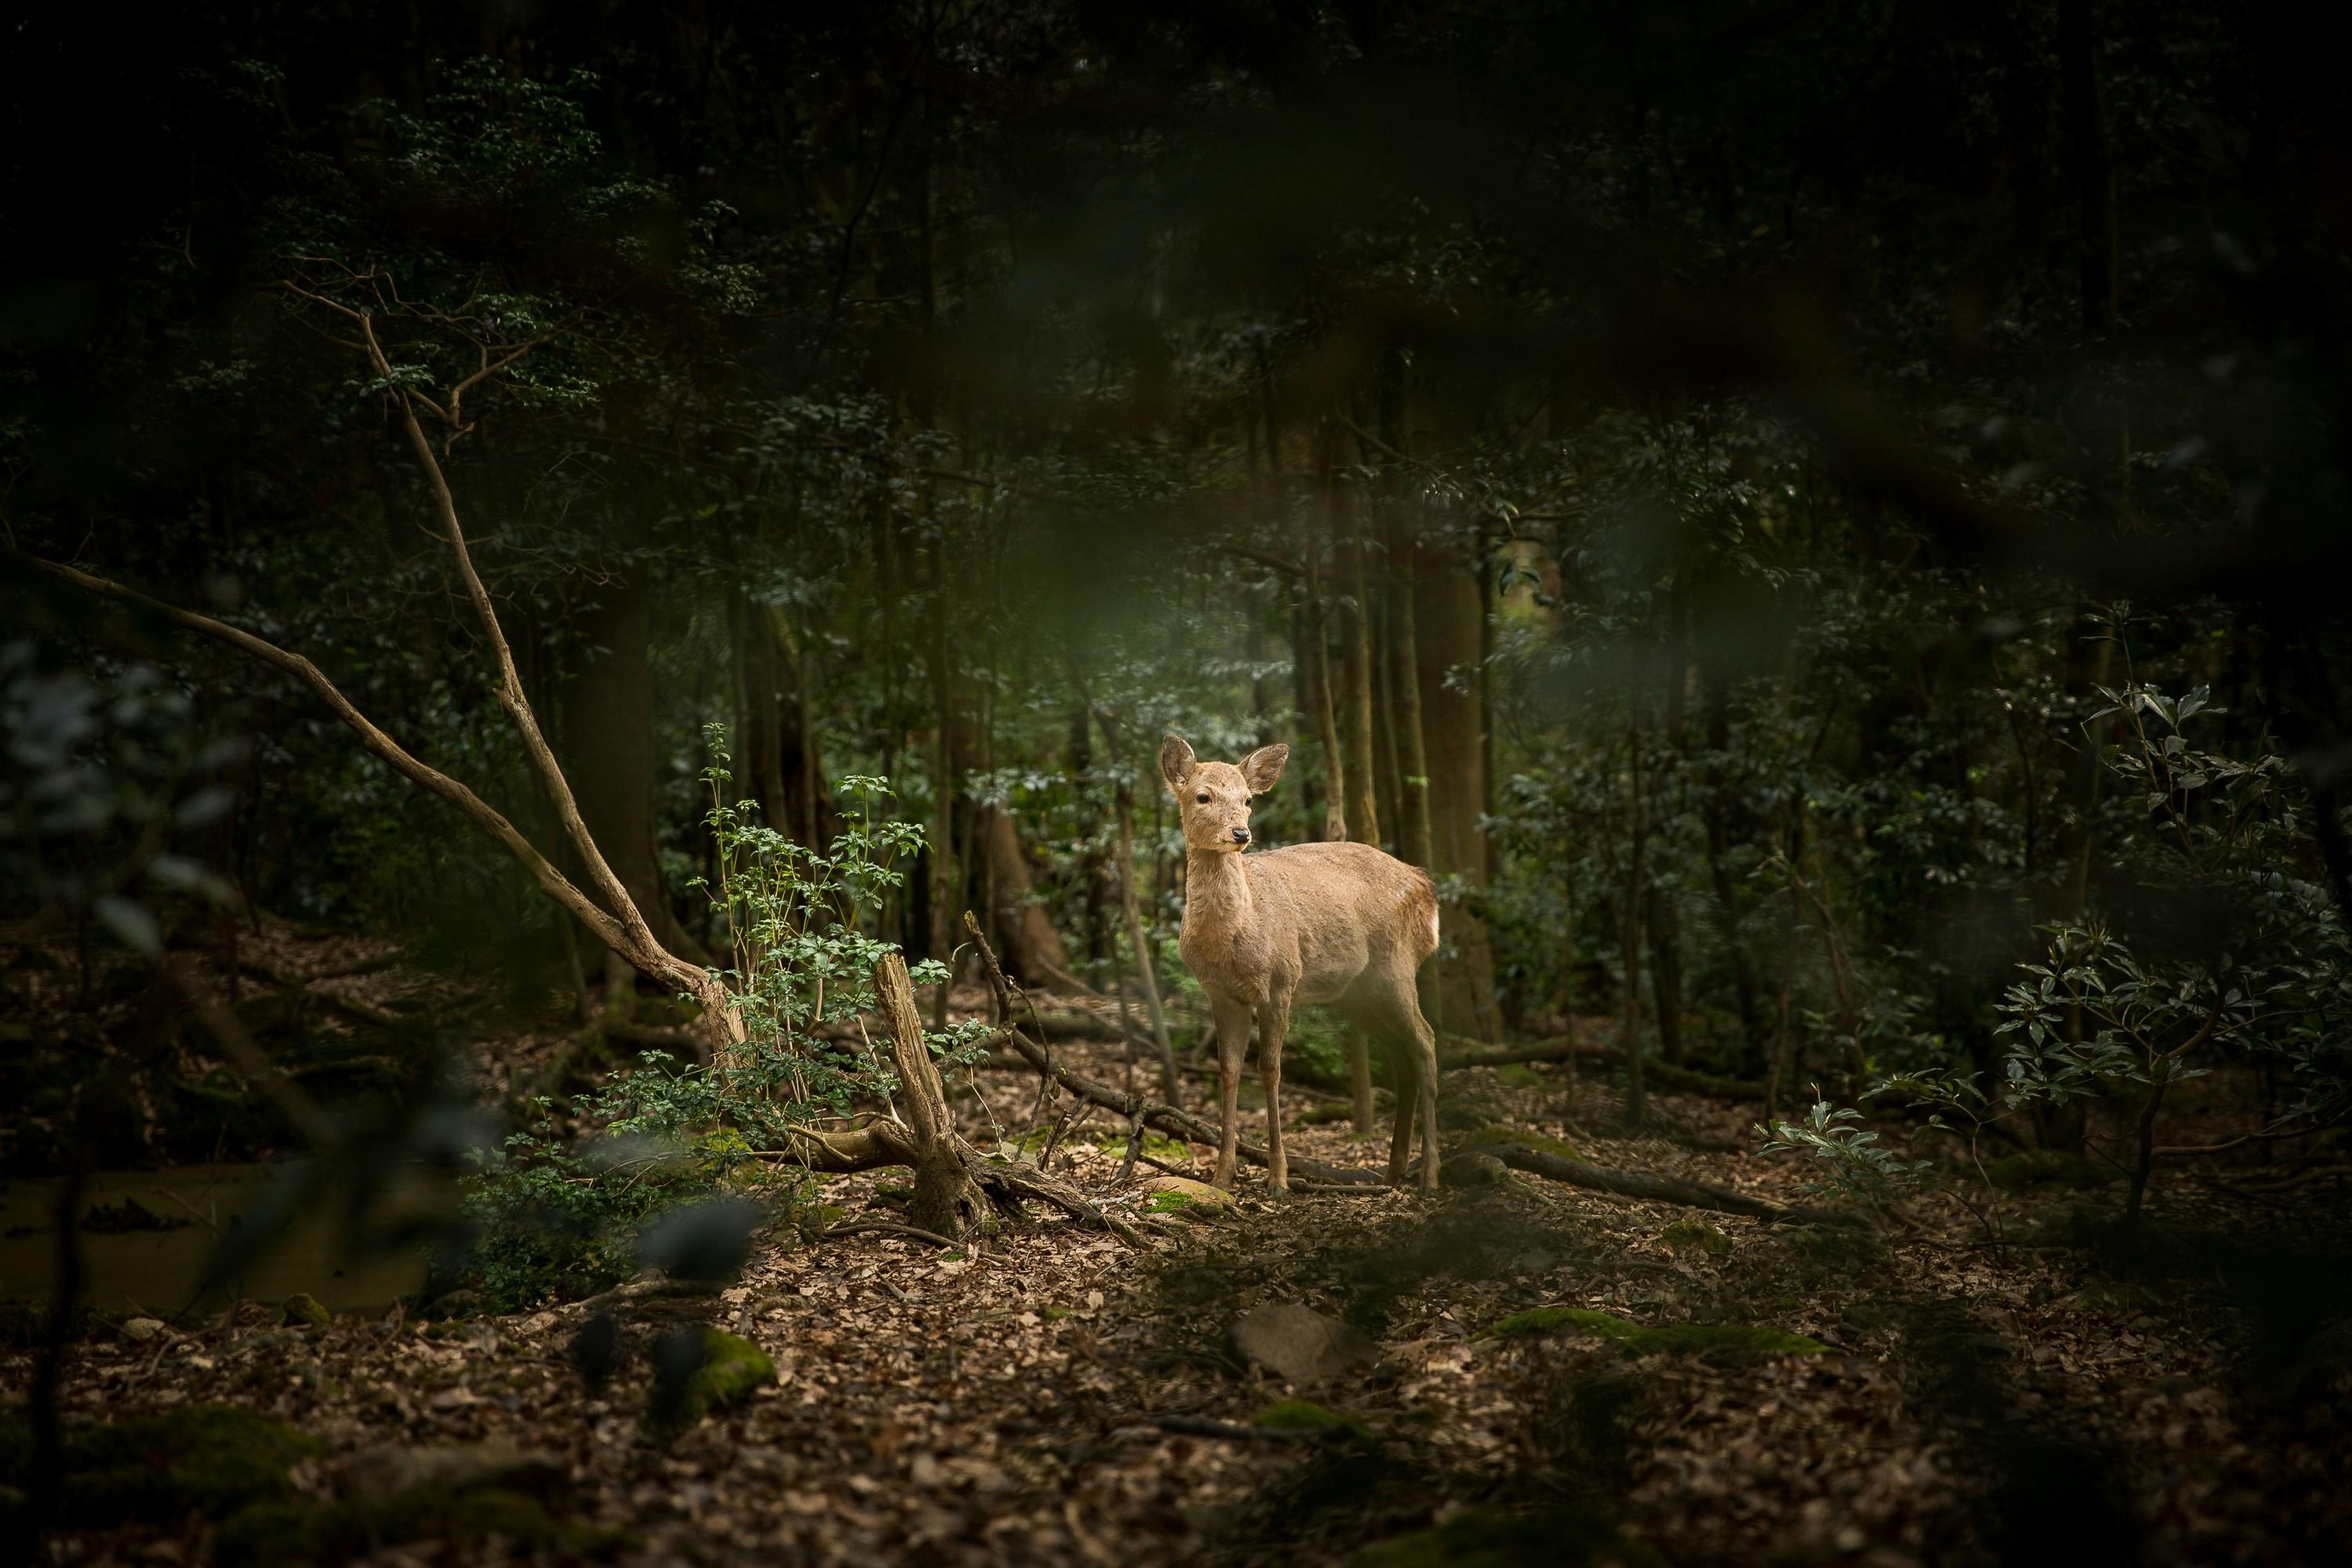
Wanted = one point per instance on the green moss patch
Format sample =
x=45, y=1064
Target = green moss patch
x=733, y=1369
x=1518, y=1075
x=1671, y=1339
x=1306, y=1415
x=1501, y=1137
x=303, y=1312
x=1169, y=1203
x=1685, y=1235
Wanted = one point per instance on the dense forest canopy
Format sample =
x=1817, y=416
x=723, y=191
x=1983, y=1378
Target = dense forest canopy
x=1819, y=523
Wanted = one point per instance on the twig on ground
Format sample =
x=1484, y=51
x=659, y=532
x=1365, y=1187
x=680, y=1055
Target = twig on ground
x=884, y=1227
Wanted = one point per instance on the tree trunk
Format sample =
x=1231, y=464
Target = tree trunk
x=2144, y=1151
x=1628, y=1034
x=1714, y=683
x=604, y=718
x=947, y=1200
x=784, y=767
x=1320, y=698
x=1030, y=941
x=1142, y=948
x=1447, y=613
x=2090, y=170
x=759, y=740
x=1354, y=700
x=1667, y=971
x=2088, y=165
x=1385, y=699
x=808, y=798
x=943, y=781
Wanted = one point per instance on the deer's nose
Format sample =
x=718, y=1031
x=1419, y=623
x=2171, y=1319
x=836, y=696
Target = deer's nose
x=1241, y=835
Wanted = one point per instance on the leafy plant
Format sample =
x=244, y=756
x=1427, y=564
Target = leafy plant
x=1851, y=1161
x=558, y=1218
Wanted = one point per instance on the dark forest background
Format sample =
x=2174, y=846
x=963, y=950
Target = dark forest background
x=1820, y=523
x=1695, y=479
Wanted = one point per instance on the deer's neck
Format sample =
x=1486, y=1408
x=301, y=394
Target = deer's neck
x=1218, y=907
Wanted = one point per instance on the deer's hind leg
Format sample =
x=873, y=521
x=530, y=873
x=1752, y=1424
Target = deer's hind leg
x=1370, y=1008
x=1392, y=1012
x=1424, y=1051
x=1404, y=1076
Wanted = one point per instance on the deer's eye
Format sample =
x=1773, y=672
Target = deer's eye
x=1203, y=799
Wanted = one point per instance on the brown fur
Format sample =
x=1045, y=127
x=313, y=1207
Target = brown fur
x=1341, y=923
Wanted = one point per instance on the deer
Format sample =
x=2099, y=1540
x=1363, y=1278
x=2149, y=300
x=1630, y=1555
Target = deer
x=1266, y=929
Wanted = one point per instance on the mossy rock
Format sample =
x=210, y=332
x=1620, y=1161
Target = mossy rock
x=1671, y=1339
x=733, y=1369
x=1518, y=1075
x=2049, y=1168
x=1306, y=1415
x=1500, y=1137
x=204, y=1461
x=303, y=1312
x=1685, y=1234
x=1489, y=1538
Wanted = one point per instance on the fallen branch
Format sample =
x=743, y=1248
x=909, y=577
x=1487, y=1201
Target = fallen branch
x=490, y=821
x=1468, y=1053
x=1202, y=1427
x=357, y=1011
x=1657, y=1189
x=953, y=1179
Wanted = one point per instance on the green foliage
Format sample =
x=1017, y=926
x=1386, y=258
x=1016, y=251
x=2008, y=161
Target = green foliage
x=558, y=1216
x=1849, y=1160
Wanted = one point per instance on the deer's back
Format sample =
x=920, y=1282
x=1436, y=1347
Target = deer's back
x=1339, y=908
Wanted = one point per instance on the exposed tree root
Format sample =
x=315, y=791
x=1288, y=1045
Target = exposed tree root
x=358, y=1011
x=1469, y=1053
x=1657, y=1189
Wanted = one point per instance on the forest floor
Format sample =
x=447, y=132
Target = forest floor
x=1052, y=1394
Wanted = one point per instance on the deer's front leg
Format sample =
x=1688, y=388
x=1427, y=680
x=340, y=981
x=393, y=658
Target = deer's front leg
x=1273, y=1028
x=1233, y=1020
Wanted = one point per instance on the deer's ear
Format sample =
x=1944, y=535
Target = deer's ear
x=1176, y=763
x=1263, y=766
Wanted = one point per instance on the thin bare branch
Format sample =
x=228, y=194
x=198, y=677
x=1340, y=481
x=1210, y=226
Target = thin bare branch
x=550, y=881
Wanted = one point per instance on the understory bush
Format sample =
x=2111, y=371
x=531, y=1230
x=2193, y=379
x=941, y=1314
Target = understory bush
x=559, y=1215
